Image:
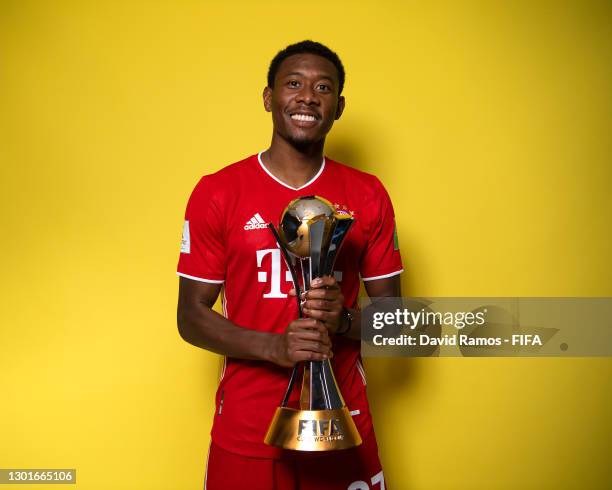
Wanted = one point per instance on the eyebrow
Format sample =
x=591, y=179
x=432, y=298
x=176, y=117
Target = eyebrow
x=301, y=75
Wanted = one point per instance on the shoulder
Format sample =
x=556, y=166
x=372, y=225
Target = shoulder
x=220, y=184
x=231, y=173
x=364, y=184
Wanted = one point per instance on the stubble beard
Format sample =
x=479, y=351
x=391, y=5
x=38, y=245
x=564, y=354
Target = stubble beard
x=302, y=143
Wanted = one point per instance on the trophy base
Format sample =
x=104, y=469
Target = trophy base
x=312, y=430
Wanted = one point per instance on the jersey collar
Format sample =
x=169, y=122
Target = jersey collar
x=287, y=185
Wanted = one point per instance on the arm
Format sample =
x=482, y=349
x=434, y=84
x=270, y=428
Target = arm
x=200, y=325
x=324, y=302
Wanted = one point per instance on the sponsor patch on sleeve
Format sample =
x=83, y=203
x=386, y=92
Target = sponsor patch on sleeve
x=186, y=241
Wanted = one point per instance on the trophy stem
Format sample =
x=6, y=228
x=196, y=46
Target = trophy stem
x=320, y=390
x=305, y=268
x=292, y=379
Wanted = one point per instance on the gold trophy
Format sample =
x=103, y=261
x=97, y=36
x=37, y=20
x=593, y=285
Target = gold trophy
x=310, y=235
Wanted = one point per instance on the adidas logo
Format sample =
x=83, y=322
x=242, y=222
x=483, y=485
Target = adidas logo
x=255, y=223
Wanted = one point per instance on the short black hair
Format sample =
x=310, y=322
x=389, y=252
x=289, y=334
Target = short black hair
x=309, y=47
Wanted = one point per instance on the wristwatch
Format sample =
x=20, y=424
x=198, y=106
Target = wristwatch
x=347, y=319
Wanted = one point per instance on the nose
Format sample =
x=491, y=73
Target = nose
x=308, y=95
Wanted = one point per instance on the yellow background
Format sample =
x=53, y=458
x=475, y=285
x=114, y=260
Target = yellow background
x=488, y=122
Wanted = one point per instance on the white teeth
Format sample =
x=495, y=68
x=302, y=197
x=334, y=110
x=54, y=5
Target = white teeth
x=302, y=117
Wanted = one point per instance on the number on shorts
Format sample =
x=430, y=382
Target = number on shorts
x=378, y=478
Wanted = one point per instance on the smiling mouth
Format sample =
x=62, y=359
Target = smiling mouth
x=303, y=117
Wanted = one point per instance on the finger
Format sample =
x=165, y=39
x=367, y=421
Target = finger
x=306, y=355
x=320, y=304
x=311, y=334
x=307, y=324
x=328, y=282
x=317, y=314
x=320, y=337
x=311, y=346
x=330, y=319
x=326, y=351
x=327, y=294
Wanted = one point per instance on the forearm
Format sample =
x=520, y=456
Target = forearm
x=205, y=328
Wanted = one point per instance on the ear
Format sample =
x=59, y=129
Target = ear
x=340, y=108
x=267, y=99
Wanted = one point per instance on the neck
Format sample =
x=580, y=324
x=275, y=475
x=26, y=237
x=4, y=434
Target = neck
x=293, y=165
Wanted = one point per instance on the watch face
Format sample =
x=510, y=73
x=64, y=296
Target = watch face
x=348, y=319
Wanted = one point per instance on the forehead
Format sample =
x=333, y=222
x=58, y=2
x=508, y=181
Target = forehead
x=308, y=64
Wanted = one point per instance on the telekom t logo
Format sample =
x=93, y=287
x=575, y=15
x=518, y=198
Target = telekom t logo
x=276, y=272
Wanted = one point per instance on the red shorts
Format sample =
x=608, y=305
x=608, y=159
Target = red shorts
x=349, y=469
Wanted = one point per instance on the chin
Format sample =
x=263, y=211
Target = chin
x=302, y=142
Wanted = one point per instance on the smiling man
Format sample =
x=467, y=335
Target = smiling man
x=227, y=247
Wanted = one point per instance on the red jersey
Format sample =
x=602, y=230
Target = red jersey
x=226, y=241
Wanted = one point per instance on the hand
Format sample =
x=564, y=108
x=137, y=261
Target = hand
x=323, y=302
x=305, y=339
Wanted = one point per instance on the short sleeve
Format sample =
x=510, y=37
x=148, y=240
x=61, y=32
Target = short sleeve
x=381, y=257
x=202, y=256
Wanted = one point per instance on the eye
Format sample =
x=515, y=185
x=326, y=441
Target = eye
x=293, y=83
x=324, y=87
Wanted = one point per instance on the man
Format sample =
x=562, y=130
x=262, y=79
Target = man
x=226, y=244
